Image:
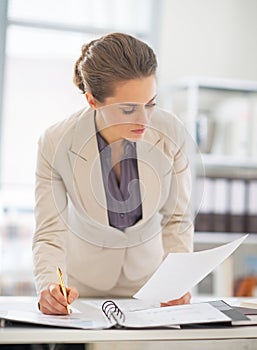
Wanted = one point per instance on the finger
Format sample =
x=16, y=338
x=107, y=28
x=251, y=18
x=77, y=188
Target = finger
x=49, y=309
x=162, y=304
x=185, y=299
x=55, y=306
x=54, y=300
x=170, y=303
x=50, y=305
x=72, y=294
x=55, y=292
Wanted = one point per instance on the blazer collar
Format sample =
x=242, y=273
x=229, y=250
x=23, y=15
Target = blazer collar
x=84, y=143
x=84, y=136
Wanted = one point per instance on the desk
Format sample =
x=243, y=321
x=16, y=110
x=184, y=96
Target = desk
x=218, y=338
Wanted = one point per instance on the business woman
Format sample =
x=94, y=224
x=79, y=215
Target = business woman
x=112, y=181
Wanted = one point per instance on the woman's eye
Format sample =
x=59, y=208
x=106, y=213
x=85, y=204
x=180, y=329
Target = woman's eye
x=128, y=110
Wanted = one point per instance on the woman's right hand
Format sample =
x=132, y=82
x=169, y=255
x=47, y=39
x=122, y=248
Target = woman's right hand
x=52, y=301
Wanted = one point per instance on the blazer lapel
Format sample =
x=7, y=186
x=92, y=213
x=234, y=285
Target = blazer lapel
x=152, y=165
x=86, y=169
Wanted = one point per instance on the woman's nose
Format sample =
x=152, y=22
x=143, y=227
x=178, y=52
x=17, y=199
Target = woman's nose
x=142, y=117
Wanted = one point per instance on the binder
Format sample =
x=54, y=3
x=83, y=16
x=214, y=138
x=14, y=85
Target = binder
x=237, y=206
x=113, y=316
x=252, y=207
x=198, y=313
x=205, y=192
x=221, y=205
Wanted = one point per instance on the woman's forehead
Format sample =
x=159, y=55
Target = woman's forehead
x=137, y=90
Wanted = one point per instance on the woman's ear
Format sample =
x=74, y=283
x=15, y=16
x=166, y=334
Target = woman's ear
x=91, y=100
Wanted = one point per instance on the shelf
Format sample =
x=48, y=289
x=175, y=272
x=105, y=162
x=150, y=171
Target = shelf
x=229, y=161
x=216, y=84
x=227, y=166
x=222, y=238
x=195, y=95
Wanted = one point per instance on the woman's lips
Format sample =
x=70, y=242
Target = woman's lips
x=138, y=131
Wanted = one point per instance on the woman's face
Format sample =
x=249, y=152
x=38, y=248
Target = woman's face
x=126, y=114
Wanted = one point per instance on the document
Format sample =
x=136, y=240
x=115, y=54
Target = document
x=163, y=316
x=180, y=272
x=82, y=316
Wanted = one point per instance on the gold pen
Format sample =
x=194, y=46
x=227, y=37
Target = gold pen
x=63, y=288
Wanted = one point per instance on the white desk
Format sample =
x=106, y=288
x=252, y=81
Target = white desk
x=238, y=337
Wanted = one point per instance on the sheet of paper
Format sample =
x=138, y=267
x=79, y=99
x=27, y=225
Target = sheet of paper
x=124, y=303
x=83, y=316
x=69, y=321
x=172, y=315
x=180, y=272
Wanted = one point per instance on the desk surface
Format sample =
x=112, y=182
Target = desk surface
x=23, y=335
x=37, y=334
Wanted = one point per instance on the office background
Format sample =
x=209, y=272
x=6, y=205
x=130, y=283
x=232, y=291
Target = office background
x=207, y=75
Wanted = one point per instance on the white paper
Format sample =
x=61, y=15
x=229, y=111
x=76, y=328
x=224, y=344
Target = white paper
x=73, y=321
x=180, y=272
x=125, y=304
x=172, y=315
x=83, y=316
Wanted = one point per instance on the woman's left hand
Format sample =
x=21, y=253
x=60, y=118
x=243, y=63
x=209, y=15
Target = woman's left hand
x=185, y=299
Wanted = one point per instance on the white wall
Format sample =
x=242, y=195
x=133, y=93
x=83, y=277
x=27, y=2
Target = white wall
x=208, y=38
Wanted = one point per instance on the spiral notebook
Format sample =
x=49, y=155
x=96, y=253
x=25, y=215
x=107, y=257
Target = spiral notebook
x=199, y=313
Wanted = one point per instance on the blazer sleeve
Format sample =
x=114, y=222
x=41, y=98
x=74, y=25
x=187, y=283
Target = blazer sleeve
x=177, y=221
x=49, y=239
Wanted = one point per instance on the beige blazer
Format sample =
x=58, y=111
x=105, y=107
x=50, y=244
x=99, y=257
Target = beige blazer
x=72, y=229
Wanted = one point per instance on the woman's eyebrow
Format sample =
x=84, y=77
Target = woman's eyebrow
x=132, y=104
x=152, y=99
x=128, y=104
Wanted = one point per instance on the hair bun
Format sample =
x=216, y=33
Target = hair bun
x=110, y=59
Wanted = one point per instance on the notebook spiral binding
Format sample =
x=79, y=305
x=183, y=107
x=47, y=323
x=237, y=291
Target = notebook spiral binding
x=112, y=310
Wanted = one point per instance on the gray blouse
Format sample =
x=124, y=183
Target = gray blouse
x=123, y=199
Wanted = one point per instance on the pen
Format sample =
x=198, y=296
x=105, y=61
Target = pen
x=63, y=288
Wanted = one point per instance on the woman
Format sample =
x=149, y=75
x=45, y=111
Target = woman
x=112, y=181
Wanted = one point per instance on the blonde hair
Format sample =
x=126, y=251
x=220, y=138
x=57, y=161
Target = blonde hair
x=111, y=59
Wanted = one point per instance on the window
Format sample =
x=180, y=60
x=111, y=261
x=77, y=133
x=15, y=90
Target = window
x=43, y=40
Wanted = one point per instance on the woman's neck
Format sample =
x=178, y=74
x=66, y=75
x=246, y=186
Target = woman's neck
x=106, y=132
